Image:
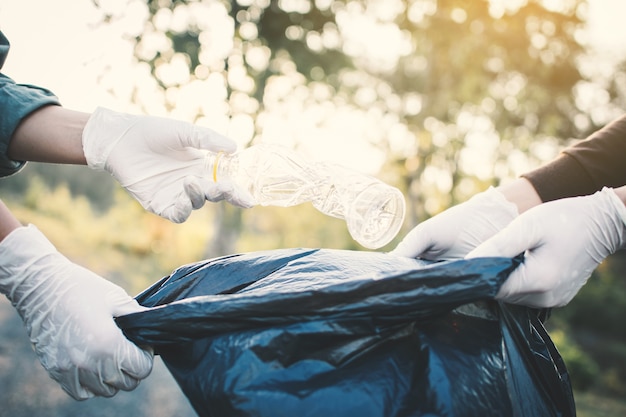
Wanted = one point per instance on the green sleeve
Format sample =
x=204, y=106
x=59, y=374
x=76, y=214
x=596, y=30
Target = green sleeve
x=585, y=167
x=16, y=102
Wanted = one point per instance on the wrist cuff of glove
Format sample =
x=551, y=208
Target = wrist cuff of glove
x=19, y=251
x=619, y=207
x=101, y=133
x=496, y=197
x=617, y=203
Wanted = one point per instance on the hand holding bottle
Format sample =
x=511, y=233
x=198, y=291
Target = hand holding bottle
x=159, y=161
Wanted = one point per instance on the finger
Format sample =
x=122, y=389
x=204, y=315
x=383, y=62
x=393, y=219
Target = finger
x=226, y=190
x=236, y=196
x=132, y=362
x=514, y=290
x=125, y=382
x=537, y=282
x=72, y=385
x=179, y=211
x=204, y=138
x=91, y=381
x=511, y=241
x=136, y=364
x=414, y=244
x=211, y=190
x=121, y=303
x=519, y=289
x=123, y=371
x=194, y=190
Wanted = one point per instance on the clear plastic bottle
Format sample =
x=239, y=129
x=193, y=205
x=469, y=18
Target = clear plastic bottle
x=277, y=176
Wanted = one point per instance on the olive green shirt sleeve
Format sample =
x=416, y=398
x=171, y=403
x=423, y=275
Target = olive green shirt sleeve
x=585, y=167
x=16, y=102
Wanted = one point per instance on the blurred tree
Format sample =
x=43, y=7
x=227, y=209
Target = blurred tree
x=494, y=81
x=260, y=40
x=98, y=187
x=466, y=93
x=594, y=319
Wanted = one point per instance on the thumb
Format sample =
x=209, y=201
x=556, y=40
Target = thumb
x=121, y=303
x=135, y=362
x=515, y=239
x=509, y=242
x=415, y=243
x=178, y=211
x=519, y=289
x=208, y=139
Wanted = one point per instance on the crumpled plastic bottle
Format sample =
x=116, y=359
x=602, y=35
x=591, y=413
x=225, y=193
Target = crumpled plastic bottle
x=276, y=176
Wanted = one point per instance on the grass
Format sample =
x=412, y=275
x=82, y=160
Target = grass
x=590, y=404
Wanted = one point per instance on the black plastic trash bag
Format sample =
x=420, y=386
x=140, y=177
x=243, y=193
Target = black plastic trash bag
x=336, y=333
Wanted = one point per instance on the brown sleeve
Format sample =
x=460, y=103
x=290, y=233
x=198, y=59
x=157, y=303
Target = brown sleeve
x=586, y=167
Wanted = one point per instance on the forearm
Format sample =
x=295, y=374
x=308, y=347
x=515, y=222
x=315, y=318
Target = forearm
x=50, y=134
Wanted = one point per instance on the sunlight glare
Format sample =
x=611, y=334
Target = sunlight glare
x=90, y=63
x=497, y=8
x=418, y=10
x=295, y=6
x=380, y=45
x=174, y=72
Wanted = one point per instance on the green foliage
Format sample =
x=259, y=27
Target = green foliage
x=97, y=187
x=583, y=371
x=299, y=226
x=471, y=85
x=125, y=244
x=590, y=404
x=500, y=79
x=606, y=287
x=272, y=22
x=593, y=323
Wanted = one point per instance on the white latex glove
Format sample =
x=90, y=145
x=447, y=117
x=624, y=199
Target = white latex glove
x=459, y=229
x=563, y=242
x=160, y=161
x=68, y=312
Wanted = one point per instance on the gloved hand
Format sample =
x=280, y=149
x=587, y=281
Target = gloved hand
x=159, y=161
x=459, y=229
x=563, y=242
x=68, y=312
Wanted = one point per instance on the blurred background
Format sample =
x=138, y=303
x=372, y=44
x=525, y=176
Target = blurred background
x=440, y=98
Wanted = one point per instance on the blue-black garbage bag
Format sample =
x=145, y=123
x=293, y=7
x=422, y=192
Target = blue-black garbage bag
x=334, y=333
